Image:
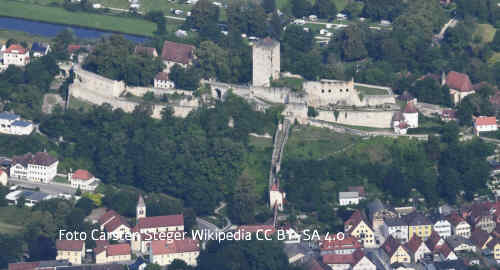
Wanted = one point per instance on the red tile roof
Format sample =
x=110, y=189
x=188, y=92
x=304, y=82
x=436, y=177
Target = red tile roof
x=444, y=249
x=177, y=52
x=70, y=245
x=145, y=51
x=479, y=238
x=485, y=120
x=353, y=221
x=455, y=219
x=116, y=222
x=174, y=246
x=459, y=81
x=16, y=48
x=73, y=48
x=433, y=240
x=410, y=108
x=162, y=76
x=118, y=249
x=24, y=265
x=343, y=258
x=82, y=174
x=414, y=244
x=107, y=216
x=161, y=221
x=391, y=245
x=349, y=242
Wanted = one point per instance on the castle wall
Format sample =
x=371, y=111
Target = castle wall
x=375, y=119
x=141, y=91
x=324, y=92
x=377, y=100
x=98, y=84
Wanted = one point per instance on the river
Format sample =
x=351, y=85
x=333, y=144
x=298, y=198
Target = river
x=51, y=30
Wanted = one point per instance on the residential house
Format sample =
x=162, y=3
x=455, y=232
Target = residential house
x=441, y=225
x=146, y=51
x=444, y=253
x=177, y=53
x=357, y=226
x=347, y=245
x=162, y=81
x=294, y=253
x=459, y=84
x=397, y=228
x=395, y=252
x=434, y=241
x=494, y=247
x=3, y=178
x=70, y=250
x=448, y=115
x=356, y=260
x=39, y=49
x=163, y=252
x=485, y=124
x=16, y=55
x=40, y=167
x=12, y=124
x=84, y=180
x=419, y=225
x=459, y=226
x=399, y=124
x=458, y=243
x=115, y=224
x=377, y=212
x=410, y=114
x=481, y=216
x=363, y=263
x=417, y=248
x=151, y=225
x=112, y=253
x=349, y=198
x=480, y=239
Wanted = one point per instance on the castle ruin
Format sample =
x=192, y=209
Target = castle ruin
x=266, y=62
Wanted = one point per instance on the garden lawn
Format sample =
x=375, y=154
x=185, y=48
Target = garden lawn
x=91, y=20
x=485, y=31
x=370, y=91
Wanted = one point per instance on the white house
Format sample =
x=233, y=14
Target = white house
x=410, y=114
x=163, y=252
x=3, y=178
x=459, y=226
x=16, y=55
x=84, y=180
x=112, y=253
x=114, y=224
x=417, y=248
x=484, y=124
x=161, y=80
x=11, y=123
x=442, y=226
x=347, y=198
x=40, y=167
x=396, y=227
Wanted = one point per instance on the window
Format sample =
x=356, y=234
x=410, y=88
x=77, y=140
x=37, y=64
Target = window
x=322, y=90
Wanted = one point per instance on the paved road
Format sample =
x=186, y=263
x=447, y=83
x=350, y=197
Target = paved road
x=205, y=225
x=53, y=188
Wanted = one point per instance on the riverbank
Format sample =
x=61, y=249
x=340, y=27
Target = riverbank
x=20, y=36
x=59, y=15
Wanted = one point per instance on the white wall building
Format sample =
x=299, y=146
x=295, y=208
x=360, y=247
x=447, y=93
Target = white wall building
x=16, y=55
x=40, y=167
x=161, y=80
x=276, y=197
x=84, y=180
x=410, y=114
x=266, y=62
x=442, y=226
x=347, y=198
x=12, y=124
x=163, y=252
x=485, y=124
x=396, y=227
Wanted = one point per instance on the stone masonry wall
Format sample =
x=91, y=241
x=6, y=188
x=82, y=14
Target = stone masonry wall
x=376, y=119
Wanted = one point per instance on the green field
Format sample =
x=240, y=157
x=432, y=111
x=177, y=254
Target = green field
x=306, y=142
x=340, y=4
x=90, y=20
x=485, y=31
x=78, y=104
x=370, y=90
x=258, y=163
x=12, y=219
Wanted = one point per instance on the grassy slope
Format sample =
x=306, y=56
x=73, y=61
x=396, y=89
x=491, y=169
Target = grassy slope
x=12, y=219
x=258, y=162
x=59, y=15
x=307, y=142
x=485, y=31
x=371, y=91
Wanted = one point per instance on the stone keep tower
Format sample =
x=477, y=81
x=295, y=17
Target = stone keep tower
x=141, y=208
x=266, y=62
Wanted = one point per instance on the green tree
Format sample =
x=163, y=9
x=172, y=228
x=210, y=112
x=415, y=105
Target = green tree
x=158, y=17
x=152, y=266
x=495, y=43
x=301, y=8
x=275, y=26
x=269, y=6
x=243, y=204
x=353, y=47
x=325, y=9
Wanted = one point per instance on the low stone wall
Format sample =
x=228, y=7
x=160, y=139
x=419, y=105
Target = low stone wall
x=376, y=119
x=141, y=91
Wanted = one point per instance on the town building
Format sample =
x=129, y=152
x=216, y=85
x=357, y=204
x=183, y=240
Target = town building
x=70, y=250
x=377, y=212
x=494, y=247
x=163, y=252
x=357, y=226
x=485, y=124
x=419, y=225
x=441, y=225
x=162, y=81
x=40, y=167
x=266, y=62
x=481, y=217
x=458, y=243
x=480, y=239
x=459, y=84
x=276, y=197
x=410, y=114
x=3, y=178
x=177, y=53
x=434, y=241
x=84, y=180
x=112, y=253
x=349, y=198
x=38, y=265
x=417, y=248
x=16, y=55
x=115, y=224
x=12, y=124
x=397, y=228
x=145, y=51
x=394, y=252
x=356, y=260
x=151, y=225
x=39, y=49
x=444, y=253
x=459, y=226
x=331, y=245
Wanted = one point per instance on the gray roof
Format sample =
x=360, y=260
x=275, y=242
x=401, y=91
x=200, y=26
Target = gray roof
x=456, y=240
x=8, y=116
x=348, y=195
x=417, y=219
x=374, y=206
x=393, y=222
x=21, y=123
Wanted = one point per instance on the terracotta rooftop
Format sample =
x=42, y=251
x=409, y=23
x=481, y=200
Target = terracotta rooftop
x=459, y=81
x=16, y=48
x=73, y=48
x=107, y=216
x=162, y=76
x=118, y=249
x=479, y=238
x=433, y=240
x=485, y=121
x=444, y=249
x=391, y=245
x=149, y=51
x=414, y=243
x=161, y=221
x=455, y=219
x=410, y=108
x=177, y=52
x=353, y=221
x=40, y=158
x=70, y=245
x=174, y=246
x=24, y=265
x=116, y=222
x=82, y=175
x=349, y=242
x=343, y=258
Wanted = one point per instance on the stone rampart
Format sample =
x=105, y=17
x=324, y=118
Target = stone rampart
x=98, y=84
x=141, y=91
x=376, y=119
